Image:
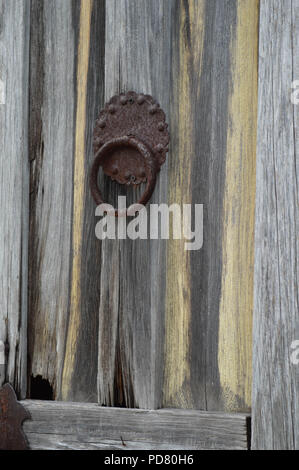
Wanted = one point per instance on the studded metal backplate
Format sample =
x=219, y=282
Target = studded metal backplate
x=137, y=115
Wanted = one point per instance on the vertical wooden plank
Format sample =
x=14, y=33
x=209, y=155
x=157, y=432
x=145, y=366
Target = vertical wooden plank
x=132, y=309
x=14, y=188
x=52, y=108
x=78, y=194
x=188, y=30
x=213, y=129
x=275, y=406
x=79, y=381
x=236, y=303
x=65, y=81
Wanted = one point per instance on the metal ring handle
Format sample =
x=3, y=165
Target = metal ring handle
x=150, y=167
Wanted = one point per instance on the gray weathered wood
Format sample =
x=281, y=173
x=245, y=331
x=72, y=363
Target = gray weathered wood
x=52, y=107
x=132, y=307
x=14, y=188
x=155, y=324
x=64, y=253
x=275, y=400
x=65, y=425
x=169, y=318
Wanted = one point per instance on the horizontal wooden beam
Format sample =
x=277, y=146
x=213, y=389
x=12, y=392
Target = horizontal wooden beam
x=75, y=426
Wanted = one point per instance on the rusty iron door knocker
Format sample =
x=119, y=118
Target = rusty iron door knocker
x=130, y=143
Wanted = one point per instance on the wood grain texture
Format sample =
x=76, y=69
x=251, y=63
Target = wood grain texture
x=80, y=382
x=191, y=358
x=52, y=108
x=188, y=26
x=236, y=303
x=131, y=331
x=60, y=344
x=144, y=323
x=78, y=199
x=68, y=426
x=14, y=189
x=276, y=321
x=212, y=161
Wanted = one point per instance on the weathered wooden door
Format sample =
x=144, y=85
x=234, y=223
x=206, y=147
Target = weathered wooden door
x=143, y=323
x=129, y=323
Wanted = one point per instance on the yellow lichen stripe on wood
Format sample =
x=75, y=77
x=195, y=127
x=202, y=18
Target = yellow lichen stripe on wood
x=178, y=293
x=78, y=198
x=236, y=305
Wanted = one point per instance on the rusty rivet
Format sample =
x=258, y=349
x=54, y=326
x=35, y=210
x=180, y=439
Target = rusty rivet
x=102, y=123
x=153, y=109
x=99, y=142
x=159, y=148
x=112, y=109
x=140, y=99
x=123, y=100
x=161, y=126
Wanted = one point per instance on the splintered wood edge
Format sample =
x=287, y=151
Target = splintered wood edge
x=66, y=425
